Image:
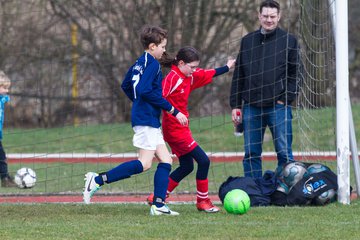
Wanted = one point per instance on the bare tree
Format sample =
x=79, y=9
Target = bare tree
x=36, y=49
x=354, y=47
x=26, y=54
x=108, y=32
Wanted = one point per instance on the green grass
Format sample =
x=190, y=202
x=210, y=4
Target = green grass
x=214, y=134
x=132, y=221
x=68, y=177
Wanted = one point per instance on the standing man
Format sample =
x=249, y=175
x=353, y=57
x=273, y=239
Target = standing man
x=264, y=84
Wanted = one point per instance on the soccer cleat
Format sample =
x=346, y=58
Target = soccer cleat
x=150, y=199
x=8, y=181
x=207, y=206
x=164, y=210
x=90, y=186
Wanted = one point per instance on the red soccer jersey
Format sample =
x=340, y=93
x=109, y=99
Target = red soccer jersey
x=176, y=89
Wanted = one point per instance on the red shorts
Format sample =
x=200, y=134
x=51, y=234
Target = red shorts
x=183, y=146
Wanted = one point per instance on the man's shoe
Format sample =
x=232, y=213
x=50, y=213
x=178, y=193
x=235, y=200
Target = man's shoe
x=90, y=186
x=8, y=182
x=207, y=206
x=164, y=210
x=150, y=199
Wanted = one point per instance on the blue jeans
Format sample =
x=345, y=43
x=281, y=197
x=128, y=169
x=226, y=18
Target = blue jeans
x=279, y=119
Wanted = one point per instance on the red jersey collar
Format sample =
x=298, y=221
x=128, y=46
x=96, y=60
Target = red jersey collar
x=177, y=70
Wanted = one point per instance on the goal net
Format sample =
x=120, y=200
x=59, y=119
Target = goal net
x=68, y=115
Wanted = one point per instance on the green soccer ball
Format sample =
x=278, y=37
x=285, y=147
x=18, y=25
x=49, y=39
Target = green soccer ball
x=237, y=201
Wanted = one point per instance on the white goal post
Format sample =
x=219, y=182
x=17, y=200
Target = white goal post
x=345, y=132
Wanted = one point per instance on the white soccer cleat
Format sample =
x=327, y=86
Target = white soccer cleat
x=90, y=186
x=164, y=210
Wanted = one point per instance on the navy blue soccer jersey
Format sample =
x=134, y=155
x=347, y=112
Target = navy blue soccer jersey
x=142, y=85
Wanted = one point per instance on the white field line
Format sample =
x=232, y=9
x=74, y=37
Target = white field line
x=125, y=155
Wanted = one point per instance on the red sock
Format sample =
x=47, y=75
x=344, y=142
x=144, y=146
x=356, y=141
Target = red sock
x=202, y=187
x=171, y=186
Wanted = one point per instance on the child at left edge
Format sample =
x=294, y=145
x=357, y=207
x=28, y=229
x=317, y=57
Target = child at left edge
x=6, y=179
x=142, y=85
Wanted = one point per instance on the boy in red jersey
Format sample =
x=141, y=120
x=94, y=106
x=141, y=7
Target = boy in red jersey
x=184, y=77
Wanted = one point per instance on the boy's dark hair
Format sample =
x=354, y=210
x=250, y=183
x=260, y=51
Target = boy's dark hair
x=270, y=4
x=186, y=54
x=152, y=34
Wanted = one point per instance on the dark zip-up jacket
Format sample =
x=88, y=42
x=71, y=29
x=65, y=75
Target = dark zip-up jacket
x=266, y=70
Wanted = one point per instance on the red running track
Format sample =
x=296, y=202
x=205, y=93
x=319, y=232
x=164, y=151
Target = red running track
x=108, y=158
x=109, y=199
x=98, y=199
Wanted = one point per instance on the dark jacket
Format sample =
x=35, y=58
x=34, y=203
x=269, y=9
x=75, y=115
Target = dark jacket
x=266, y=69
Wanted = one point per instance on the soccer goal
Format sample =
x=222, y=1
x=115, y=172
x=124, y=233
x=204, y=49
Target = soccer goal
x=329, y=59
x=68, y=115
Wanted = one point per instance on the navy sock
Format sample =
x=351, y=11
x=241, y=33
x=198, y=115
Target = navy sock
x=122, y=171
x=161, y=180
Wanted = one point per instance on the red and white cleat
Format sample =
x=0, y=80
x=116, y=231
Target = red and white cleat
x=207, y=206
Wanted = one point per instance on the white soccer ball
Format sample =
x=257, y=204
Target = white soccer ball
x=293, y=172
x=25, y=178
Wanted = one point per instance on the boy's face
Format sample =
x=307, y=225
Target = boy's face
x=4, y=89
x=157, y=51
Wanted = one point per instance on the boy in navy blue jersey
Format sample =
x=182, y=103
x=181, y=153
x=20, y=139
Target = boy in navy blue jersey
x=142, y=85
x=6, y=179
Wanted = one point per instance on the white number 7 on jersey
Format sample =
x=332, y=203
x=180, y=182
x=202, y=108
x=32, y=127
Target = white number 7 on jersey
x=136, y=79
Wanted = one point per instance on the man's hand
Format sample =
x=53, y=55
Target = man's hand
x=234, y=115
